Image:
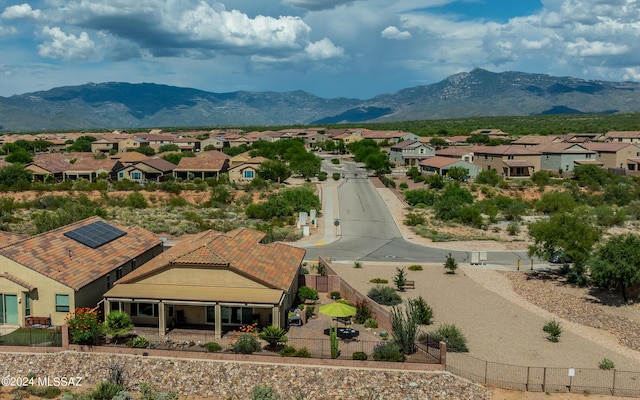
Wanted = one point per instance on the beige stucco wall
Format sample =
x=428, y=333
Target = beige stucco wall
x=236, y=174
x=213, y=277
x=42, y=298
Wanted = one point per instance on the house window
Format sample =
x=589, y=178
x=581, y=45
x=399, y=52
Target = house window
x=136, y=175
x=27, y=305
x=133, y=264
x=248, y=174
x=588, y=156
x=108, y=281
x=146, y=310
x=486, y=157
x=121, y=174
x=114, y=306
x=62, y=303
x=170, y=310
x=421, y=151
x=509, y=157
x=119, y=273
x=211, y=315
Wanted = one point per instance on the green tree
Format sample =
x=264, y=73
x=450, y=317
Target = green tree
x=20, y=157
x=571, y=234
x=590, y=175
x=553, y=202
x=450, y=264
x=400, y=279
x=82, y=144
x=616, y=264
x=146, y=150
x=274, y=170
x=438, y=142
x=378, y=162
x=404, y=326
x=170, y=147
x=14, y=174
x=449, y=204
x=136, y=200
x=424, y=196
x=305, y=164
x=488, y=177
x=457, y=173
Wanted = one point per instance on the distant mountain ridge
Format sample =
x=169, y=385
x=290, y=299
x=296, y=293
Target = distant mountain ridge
x=476, y=93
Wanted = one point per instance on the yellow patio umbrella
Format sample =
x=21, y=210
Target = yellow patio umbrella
x=337, y=309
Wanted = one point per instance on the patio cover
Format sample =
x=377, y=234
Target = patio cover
x=518, y=163
x=140, y=291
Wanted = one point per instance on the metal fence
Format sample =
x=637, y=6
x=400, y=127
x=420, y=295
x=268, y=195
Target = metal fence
x=545, y=379
x=315, y=348
x=47, y=337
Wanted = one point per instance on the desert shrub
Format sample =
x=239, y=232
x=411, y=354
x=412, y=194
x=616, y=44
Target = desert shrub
x=335, y=176
x=415, y=267
x=371, y=323
x=322, y=176
x=105, y=390
x=388, y=352
x=45, y=392
x=335, y=295
x=513, y=228
x=424, y=196
x=379, y=280
x=335, y=161
x=357, y=264
x=554, y=330
x=488, y=177
x=452, y=336
x=450, y=264
x=385, y=295
x=403, y=185
x=136, y=200
x=140, y=342
x=147, y=393
x=307, y=293
x=264, y=393
x=288, y=351
x=247, y=343
x=303, y=352
x=212, y=347
x=414, y=219
x=606, y=364
x=423, y=312
x=363, y=312
x=117, y=324
x=359, y=355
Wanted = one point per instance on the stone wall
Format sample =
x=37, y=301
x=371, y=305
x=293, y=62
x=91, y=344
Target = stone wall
x=222, y=379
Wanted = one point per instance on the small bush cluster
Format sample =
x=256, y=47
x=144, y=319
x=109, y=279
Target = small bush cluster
x=335, y=295
x=84, y=327
x=554, y=330
x=385, y=295
x=306, y=293
x=379, y=280
x=291, y=351
x=139, y=342
x=359, y=355
x=371, y=323
x=363, y=312
x=246, y=343
x=415, y=267
x=452, y=336
x=388, y=352
x=213, y=347
x=606, y=364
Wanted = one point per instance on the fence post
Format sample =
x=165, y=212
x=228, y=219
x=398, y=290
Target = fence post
x=443, y=354
x=526, y=385
x=613, y=386
x=544, y=378
x=486, y=368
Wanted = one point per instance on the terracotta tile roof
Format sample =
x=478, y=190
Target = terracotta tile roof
x=91, y=165
x=129, y=157
x=368, y=134
x=200, y=164
x=51, y=165
x=409, y=144
x=608, y=147
x=438, y=162
x=534, y=139
x=73, y=264
x=17, y=281
x=557, y=148
x=216, y=154
x=505, y=150
x=160, y=164
x=457, y=139
x=623, y=134
x=518, y=163
x=8, y=238
x=457, y=151
x=274, y=265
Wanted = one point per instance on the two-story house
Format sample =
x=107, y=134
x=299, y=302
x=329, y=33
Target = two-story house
x=509, y=161
x=410, y=152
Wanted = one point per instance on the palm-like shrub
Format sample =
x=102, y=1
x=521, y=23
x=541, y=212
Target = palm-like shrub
x=118, y=324
x=554, y=330
x=273, y=335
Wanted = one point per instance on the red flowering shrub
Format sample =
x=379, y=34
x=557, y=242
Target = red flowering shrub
x=84, y=326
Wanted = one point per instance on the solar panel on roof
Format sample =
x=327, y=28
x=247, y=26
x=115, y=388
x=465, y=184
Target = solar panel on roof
x=95, y=234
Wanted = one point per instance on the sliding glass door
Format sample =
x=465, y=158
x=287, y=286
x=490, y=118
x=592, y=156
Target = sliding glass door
x=8, y=309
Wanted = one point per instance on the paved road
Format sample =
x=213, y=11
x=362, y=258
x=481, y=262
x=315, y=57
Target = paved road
x=368, y=232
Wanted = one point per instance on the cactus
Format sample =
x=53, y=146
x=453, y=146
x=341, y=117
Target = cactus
x=333, y=340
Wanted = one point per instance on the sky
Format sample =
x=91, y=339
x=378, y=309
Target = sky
x=331, y=48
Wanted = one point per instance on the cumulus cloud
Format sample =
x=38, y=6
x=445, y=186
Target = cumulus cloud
x=316, y=5
x=22, y=11
x=323, y=49
x=391, y=32
x=59, y=45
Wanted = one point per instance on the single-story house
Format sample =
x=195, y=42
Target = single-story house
x=245, y=172
x=220, y=281
x=152, y=169
x=201, y=167
x=91, y=169
x=442, y=165
x=51, y=274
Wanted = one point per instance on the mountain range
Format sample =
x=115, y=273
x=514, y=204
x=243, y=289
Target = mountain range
x=476, y=93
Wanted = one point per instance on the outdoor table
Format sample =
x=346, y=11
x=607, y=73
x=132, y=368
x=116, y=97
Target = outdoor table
x=344, y=333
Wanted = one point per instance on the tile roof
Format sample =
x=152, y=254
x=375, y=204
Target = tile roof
x=17, y=281
x=518, y=163
x=438, y=162
x=274, y=265
x=160, y=164
x=505, y=150
x=562, y=147
x=200, y=164
x=457, y=151
x=73, y=264
x=534, y=139
x=129, y=157
x=608, y=147
x=91, y=165
x=8, y=238
x=409, y=144
x=623, y=134
x=217, y=154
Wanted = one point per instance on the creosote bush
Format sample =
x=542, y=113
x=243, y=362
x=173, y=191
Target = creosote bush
x=606, y=364
x=385, y=295
x=452, y=336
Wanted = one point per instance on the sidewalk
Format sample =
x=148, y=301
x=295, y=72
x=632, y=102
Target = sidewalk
x=326, y=232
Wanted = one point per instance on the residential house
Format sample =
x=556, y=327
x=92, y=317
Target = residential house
x=188, y=144
x=239, y=159
x=562, y=157
x=221, y=280
x=509, y=161
x=105, y=145
x=131, y=143
x=459, y=152
x=441, y=166
x=129, y=157
x=622, y=136
x=150, y=170
x=491, y=133
x=156, y=141
x=51, y=274
x=217, y=142
x=410, y=152
x=48, y=165
x=388, y=136
x=201, y=167
x=535, y=140
x=615, y=154
x=245, y=172
x=90, y=169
